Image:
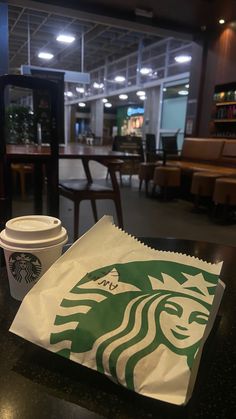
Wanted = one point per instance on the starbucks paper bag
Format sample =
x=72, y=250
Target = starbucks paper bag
x=138, y=315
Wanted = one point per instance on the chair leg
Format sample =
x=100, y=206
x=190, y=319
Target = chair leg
x=76, y=220
x=146, y=187
x=22, y=184
x=119, y=212
x=94, y=208
x=140, y=184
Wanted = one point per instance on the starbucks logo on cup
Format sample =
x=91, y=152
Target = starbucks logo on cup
x=24, y=267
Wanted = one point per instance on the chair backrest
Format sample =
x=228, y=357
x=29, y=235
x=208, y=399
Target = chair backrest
x=169, y=144
x=129, y=144
x=150, y=147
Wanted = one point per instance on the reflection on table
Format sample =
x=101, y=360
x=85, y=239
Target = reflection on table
x=41, y=155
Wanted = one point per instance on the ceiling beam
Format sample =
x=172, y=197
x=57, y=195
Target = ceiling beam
x=99, y=19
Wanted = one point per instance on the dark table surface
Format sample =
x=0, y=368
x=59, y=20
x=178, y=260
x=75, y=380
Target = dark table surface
x=30, y=152
x=38, y=384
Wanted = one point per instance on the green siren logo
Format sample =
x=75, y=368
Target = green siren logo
x=121, y=316
x=24, y=267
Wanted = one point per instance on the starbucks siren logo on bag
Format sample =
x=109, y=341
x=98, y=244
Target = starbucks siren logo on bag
x=120, y=317
x=24, y=267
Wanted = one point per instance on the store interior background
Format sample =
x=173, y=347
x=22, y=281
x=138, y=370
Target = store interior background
x=122, y=40
x=116, y=46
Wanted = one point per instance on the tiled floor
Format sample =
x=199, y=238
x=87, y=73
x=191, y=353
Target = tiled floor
x=142, y=216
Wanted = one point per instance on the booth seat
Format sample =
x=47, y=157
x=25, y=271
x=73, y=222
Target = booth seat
x=207, y=154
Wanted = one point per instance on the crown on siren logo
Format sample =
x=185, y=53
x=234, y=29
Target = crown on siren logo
x=195, y=286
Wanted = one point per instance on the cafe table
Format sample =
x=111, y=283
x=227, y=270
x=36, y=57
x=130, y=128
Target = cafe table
x=38, y=384
x=40, y=156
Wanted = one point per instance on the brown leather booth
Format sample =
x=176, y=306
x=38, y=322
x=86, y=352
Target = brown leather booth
x=207, y=154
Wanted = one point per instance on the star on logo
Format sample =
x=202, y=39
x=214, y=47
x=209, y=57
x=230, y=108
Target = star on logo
x=197, y=283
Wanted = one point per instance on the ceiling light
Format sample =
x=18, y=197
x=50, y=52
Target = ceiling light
x=183, y=59
x=123, y=97
x=183, y=92
x=98, y=85
x=108, y=105
x=140, y=93
x=68, y=94
x=143, y=13
x=142, y=97
x=45, y=55
x=221, y=21
x=66, y=38
x=104, y=100
x=164, y=89
x=119, y=79
x=79, y=89
x=145, y=71
x=81, y=104
x=187, y=86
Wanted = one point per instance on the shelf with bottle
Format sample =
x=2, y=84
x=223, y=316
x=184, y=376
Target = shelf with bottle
x=225, y=96
x=225, y=120
x=232, y=102
x=225, y=113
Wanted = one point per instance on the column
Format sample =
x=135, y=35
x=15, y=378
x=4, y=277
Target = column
x=152, y=112
x=72, y=123
x=67, y=123
x=4, y=53
x=97, y=115
x=196, y=88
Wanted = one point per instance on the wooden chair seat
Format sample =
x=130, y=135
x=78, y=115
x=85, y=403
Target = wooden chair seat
x=79, y=190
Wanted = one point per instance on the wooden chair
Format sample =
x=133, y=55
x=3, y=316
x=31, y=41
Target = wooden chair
x=169, y=147
x=150, y=148
x=129, y=144
x=78, y=190
x=21, y=169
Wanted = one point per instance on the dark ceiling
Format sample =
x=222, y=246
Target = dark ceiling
x=181, y=15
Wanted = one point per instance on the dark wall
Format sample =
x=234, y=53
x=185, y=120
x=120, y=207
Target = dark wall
x=214, y=63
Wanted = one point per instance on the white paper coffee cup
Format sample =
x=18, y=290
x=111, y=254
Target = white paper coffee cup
x=31, y=244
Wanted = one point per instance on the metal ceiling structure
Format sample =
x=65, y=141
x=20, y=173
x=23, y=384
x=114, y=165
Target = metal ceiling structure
x=31, y=31
x=102, y=46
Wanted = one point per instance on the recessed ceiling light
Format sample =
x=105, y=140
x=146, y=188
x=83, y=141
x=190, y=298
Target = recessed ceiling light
x=108, y=105
x=123, y=97
x=183, y=58
x=81, y=104
x=142, y=97
x=68, y=39
x=145, y=71
x=119, y=79
x=164, y=89
x=68, y=94
x=45, y=55
x=183, y=92
x=140, y=93
x=79, y=89
x=104, y=100
x=221, y=21
x=187, y=86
